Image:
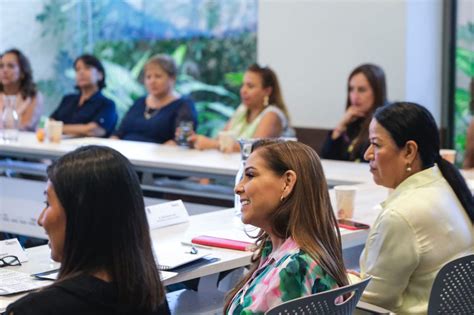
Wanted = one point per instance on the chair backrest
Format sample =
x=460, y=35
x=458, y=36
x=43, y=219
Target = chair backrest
x=453, y=288
x=324, y=302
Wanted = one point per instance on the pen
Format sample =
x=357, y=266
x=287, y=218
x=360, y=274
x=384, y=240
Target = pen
x=195, y=245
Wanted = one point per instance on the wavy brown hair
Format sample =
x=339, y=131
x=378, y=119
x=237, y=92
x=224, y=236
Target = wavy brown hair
x=270, y=79
x=376, y=77
x=306, y=214
x=27, y=85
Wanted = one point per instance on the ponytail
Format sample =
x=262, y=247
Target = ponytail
x=458, y=184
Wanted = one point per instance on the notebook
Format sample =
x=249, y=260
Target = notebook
x=222, y=242
x=53, y=275
x=171, y=258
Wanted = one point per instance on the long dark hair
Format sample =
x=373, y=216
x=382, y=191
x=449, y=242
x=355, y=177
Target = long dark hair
x=93, y=61
x=270, y=79
x=27, y=86
x=409, y=121
x=376, y=77
x=306, y=214
x=106, y=224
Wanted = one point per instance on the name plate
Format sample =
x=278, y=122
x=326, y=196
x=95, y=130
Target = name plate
x=12, y=247
x=165, y=214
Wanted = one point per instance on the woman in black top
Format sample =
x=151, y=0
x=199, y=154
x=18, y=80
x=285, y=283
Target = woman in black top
x=97, y=229
x=89, y=112
x=366, y=91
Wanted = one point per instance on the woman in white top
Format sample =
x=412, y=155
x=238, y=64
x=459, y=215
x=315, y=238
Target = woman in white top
x=18, y=89
x=262, y=114
x=426, y=221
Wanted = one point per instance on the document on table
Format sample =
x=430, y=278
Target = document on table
x=12, y=282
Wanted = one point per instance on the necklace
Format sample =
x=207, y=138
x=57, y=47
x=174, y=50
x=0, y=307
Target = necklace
x=150, y=112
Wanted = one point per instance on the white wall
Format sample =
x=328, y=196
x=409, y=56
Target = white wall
x=423, y=54
x=314, y=44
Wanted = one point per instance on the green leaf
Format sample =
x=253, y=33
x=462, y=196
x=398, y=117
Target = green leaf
x=234, y=78
x=462, y=99
x=135, y=72
x=465, y=61
x=179, y=54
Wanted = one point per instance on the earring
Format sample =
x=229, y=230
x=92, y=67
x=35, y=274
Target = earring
x=282, y=198
x=266, y=101
x=408, y=168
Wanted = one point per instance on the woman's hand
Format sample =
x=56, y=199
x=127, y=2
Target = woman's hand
x=202, y=142
x=351, y=114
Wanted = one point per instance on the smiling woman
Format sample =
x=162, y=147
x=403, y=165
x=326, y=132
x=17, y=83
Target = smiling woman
x=262, y=114
x=284, y=192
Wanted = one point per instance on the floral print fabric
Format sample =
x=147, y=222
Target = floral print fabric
x=283, y=275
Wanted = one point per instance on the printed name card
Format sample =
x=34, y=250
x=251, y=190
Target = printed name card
x=12, y=247
x=165, y=214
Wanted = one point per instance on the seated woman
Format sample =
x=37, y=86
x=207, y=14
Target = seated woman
x=156, y=116
x=426, y=221
x=469, y=155
x=17, y=87
x=366, y=92
x=262, y=114
x=98, y=230
x=284, y=193
x=88, y=113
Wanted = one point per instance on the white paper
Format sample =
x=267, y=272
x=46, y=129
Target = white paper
x=14, y=282
x=166, y=214
x=12, y=247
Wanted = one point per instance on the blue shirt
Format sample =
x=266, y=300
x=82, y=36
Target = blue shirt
x=97, y=108
x=161, y=123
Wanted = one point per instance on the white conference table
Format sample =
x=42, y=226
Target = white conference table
x=168, y=160
x=219, y=223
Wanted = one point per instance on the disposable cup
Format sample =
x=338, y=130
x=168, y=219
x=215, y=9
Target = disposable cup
x=55, y=130
x=345, y=197
x=226, y=141
x=448, y=154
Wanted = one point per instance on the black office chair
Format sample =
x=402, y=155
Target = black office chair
x=324, y=302
x=453, y=288
x=452, y=291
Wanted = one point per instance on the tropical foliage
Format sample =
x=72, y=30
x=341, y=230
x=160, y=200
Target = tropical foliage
x=464, y=79
x=211, y=41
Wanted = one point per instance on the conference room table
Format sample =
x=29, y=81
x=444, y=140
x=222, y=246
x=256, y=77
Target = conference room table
x=223, y=223
x=164, y=159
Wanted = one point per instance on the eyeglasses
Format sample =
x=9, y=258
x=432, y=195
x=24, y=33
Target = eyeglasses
x=9, y=260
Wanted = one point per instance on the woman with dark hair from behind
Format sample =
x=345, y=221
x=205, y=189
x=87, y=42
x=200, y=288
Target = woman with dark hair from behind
x=88, y=113
x=17, y=87
x=366, y=91
x=97, y=228
x=426, y=221
x=284, y=193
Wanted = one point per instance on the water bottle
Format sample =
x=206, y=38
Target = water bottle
x=10, y=121
x=184, y=130
x=245, y=150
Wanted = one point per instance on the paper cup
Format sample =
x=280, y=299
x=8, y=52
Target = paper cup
x=226, y=141
x=448, y=154
x=345, y=196
x=55, y=131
